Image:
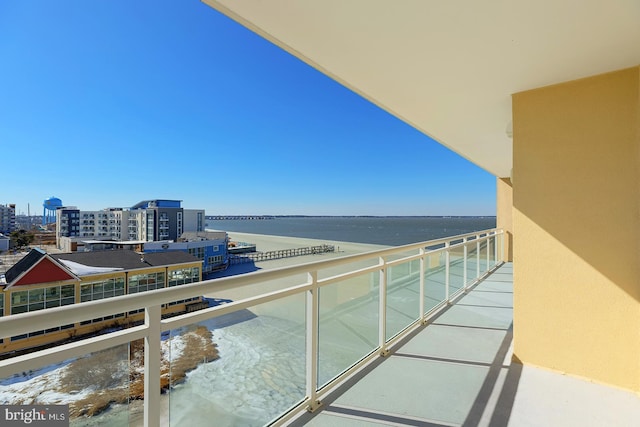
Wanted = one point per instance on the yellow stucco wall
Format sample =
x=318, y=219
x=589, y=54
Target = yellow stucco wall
x=576, y=220
x=504, y=214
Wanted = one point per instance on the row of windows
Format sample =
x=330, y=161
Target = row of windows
x=38, y=299
x=145, y=282
x=55, y=296
x=36, y=333
x=101, y=319
x=184, y=276
x=217, y=259
x=182, y=301
x=104, y=289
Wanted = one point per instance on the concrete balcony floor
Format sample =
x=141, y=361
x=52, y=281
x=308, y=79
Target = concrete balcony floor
x=457, y=371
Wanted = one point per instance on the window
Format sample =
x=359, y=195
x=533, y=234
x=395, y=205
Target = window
x=39, y=299
x=184, y=301
x=197, y=252
x=145, y=282
x=215, y=259
x=183, y=276
x=199, y=220
x=99, y=290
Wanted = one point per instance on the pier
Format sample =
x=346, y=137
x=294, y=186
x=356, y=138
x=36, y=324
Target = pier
x=238, y=217
x=282, y=253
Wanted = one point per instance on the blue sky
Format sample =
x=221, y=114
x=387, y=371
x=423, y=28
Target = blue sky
x=106, y=103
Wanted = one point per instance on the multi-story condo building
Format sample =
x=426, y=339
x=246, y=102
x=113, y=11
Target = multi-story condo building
x=149, y=220
x=7, y=218
x=67, y=223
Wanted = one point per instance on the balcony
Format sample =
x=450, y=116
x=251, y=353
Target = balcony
x=414, y=335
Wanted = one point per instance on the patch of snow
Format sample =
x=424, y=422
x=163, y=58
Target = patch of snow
x=173, y=347
x=83, y=270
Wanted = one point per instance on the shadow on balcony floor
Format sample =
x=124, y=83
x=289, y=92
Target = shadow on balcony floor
x=458, y=371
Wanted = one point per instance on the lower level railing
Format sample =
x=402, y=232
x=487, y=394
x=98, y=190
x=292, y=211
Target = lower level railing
x=287, y=339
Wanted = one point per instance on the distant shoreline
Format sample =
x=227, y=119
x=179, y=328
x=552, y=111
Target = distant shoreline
x=248, y=216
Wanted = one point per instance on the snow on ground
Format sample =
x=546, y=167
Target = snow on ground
x=43, y=386
x=173, y=347
x=40, y=389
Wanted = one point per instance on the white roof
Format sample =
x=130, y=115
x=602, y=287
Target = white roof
x=84, y=270
x=114, y=242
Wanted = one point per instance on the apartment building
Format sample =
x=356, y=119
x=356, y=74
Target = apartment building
x=7, y=218
x=149, y=220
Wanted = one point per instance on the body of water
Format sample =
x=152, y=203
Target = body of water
x=389, y=231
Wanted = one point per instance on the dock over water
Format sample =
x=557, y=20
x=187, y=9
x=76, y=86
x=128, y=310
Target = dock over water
x=281, y=253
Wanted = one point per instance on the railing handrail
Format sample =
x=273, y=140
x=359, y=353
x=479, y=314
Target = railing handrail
x=153, y=325
x=18, y=324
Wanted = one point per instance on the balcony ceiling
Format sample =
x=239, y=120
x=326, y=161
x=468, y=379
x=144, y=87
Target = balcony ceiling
x=448, y=67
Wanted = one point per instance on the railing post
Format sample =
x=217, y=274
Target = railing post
x=495, y=249
x=477, y=256
x=464, y=262
x=313, y=324
x=446, y=270
x=488, y=252
x=382, y=314
x=422, y=282
x=152, y=354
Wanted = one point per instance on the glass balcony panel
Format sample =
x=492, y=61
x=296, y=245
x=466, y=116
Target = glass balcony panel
x=403, y=296
x=483, y=257
x=98, y=387
x=456, y=269
x=348, y=330
x=434, y=281
x=492, y=253
x=244, y=368
x=472, y=262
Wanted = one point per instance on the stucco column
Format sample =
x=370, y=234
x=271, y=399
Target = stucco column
x=504, y=220
x=576, y=219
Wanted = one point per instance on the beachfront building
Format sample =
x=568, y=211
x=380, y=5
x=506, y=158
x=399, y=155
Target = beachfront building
x=7, y=218
x=41, y=281
x=149, y=220
x=153, y=220
x=208, y=246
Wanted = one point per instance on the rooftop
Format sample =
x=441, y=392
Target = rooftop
x=127, y=259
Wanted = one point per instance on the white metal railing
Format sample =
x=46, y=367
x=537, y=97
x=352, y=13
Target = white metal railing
x=154, y=325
